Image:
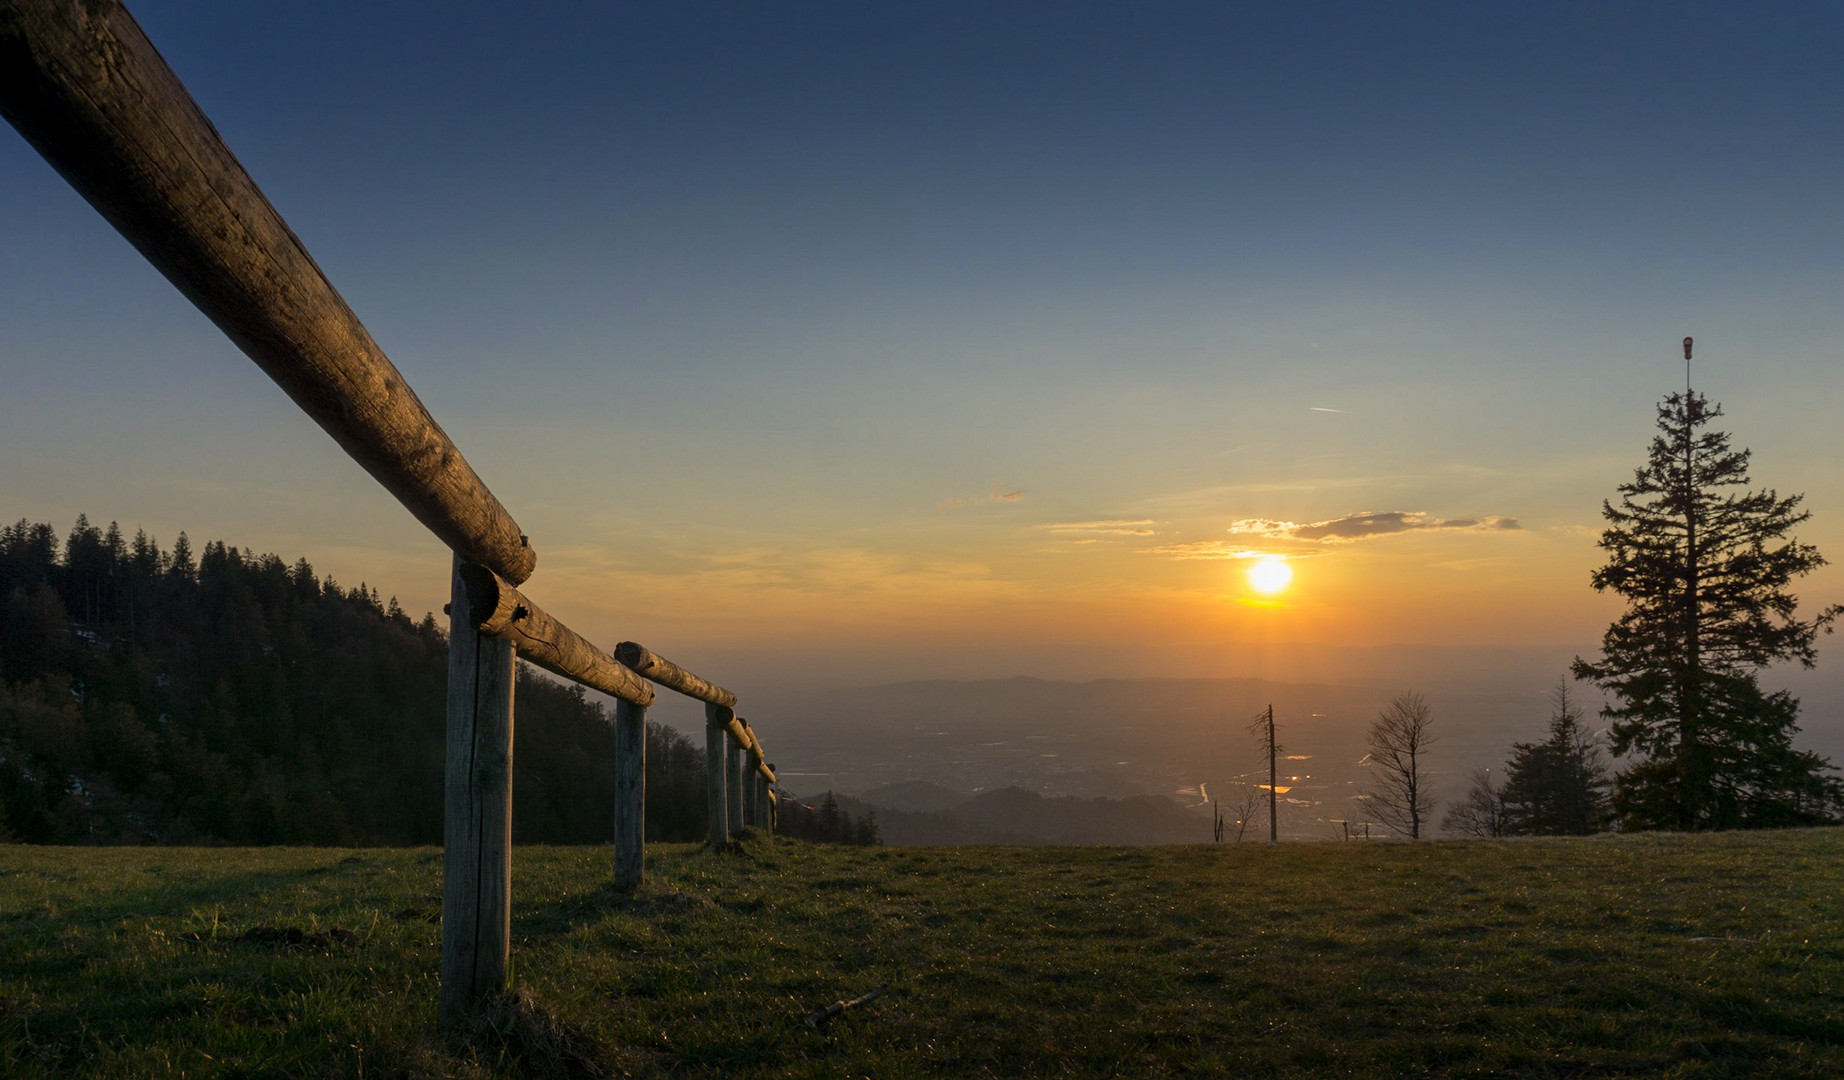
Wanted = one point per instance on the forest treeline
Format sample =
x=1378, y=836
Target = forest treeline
x=153, y=695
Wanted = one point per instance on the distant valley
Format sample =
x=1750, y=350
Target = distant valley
x=928, y=747
x=1180, y=740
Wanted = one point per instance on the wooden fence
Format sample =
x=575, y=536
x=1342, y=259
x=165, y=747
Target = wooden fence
x=86, y=88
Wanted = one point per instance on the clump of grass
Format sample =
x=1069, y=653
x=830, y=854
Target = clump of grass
x=1714, y=955
x=517, y=1034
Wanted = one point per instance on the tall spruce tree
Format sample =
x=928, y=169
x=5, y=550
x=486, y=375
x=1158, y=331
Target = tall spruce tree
x=1704, y=565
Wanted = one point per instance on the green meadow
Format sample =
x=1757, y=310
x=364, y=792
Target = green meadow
x=1646, y=955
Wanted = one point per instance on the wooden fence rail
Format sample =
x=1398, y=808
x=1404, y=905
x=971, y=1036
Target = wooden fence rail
x=500, y=610
x=84, y=85
x=735, y=763
x=87, y=89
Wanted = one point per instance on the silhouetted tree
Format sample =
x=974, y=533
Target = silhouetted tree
x=1397, y=794
x=1262, y=727
x=676, y=803
x=1557, y=787
x=1704, y=566
x=827, y=823
x=1244, y=808
x=1482, y=811
x=831, y=828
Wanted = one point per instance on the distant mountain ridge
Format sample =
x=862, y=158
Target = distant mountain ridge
x=1014, y=816
x=914, y=796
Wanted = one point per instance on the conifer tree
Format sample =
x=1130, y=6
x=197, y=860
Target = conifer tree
x=1704, y=565
x=1557, y=787
x=180, y=564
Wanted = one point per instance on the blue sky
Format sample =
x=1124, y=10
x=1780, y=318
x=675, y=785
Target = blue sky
x=949, y=331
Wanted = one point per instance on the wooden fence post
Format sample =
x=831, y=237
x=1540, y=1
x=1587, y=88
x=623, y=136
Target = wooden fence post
x=765, y=817
x=716, y=741
x=737, y=757
x=751, y=802
x=748, y=785
x=630, y=793
x=477, y=812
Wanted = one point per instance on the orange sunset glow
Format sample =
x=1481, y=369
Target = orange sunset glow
x=867, y=539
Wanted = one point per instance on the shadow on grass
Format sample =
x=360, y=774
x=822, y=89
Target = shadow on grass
x=208, y=892
x=654, y=899
x=649, y=901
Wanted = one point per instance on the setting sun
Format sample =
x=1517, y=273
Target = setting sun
x=1270, y=574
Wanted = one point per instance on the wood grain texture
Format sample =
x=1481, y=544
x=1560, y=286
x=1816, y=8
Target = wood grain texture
x=500, y=610
x=477, y=815
x=671, y=676
x=630, y=793
x=86, y=88
x=717, y=802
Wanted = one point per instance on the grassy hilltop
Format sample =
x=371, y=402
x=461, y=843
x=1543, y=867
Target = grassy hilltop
x=1660, y=955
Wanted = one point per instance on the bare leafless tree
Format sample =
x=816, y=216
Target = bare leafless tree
x=1397, y=794
x=1243, y=808
x=1482, y=812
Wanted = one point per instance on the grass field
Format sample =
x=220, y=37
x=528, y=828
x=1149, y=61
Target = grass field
x=1662, y=955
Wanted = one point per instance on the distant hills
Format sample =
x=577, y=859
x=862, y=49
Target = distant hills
x=914, y=797
x=917, y=812
x=915, y=747
x=911, y=747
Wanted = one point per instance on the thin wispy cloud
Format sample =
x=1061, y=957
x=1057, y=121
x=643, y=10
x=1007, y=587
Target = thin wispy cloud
x=996, y=495
x=1322, y=408
x=1215, y=549
x=1368, y=525
x=1100, y=528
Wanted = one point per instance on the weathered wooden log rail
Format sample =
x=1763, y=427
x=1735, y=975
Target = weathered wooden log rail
x=84, y=85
